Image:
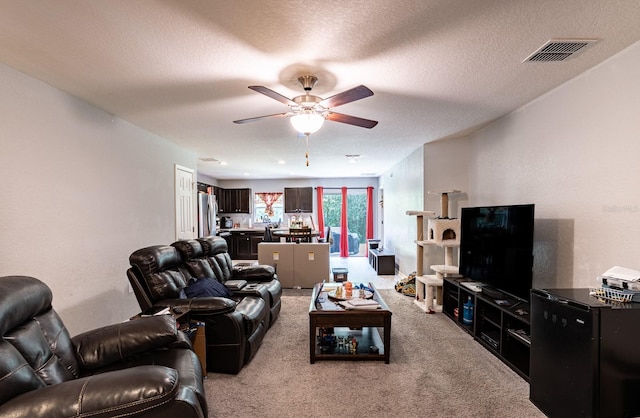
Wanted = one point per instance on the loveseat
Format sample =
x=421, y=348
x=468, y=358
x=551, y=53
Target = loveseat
x=215, y=250
x=236, y=320
x=143, y=367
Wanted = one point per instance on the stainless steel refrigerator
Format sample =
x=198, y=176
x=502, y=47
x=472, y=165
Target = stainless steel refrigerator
x=207, y=212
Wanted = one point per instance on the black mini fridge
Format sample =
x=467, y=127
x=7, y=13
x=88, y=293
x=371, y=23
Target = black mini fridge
x=585, y=355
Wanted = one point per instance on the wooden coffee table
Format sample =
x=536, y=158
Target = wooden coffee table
x=363, y=325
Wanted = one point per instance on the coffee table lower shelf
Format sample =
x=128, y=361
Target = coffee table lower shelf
x=367, y=338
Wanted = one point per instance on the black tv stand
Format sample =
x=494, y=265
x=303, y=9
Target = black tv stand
x=500, y=323
x=492, y=293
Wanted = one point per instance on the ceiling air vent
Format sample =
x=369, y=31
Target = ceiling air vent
x=208, y=159
x=560, y=50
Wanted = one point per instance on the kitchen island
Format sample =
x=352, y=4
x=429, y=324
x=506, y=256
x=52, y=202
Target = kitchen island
x=243, y=242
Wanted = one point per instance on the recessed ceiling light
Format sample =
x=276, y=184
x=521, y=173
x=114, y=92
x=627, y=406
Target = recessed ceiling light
x=282, y=162
x=223, y=163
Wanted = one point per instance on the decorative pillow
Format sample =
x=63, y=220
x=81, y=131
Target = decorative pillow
x=206, y=286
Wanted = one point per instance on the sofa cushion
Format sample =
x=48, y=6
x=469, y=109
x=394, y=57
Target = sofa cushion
x=45, y=344
x=19, y=304
x=166, y=284
x=159, y=265
x=206, y=286
x=16, y=376
x=226, y=265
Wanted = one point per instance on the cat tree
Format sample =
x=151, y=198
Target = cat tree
x=444, y=232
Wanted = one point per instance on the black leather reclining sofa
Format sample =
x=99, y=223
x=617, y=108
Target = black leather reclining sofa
x=235, y=324
x=144, y=367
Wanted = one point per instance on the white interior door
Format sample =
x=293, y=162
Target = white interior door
x=185, y=208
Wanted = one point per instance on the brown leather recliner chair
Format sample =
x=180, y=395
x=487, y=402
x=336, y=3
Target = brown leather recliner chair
x=216, y=251
x=234, y=327
x=143, y=368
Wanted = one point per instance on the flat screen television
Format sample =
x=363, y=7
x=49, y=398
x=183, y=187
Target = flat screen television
x=496, y=247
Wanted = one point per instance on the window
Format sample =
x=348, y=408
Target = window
x=268, y=207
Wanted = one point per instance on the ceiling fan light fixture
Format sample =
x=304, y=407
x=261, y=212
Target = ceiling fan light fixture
x=307, y=122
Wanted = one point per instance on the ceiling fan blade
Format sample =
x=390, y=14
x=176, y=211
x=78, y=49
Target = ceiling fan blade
x=351, y=120
x=274, y=95
x=277, y=115
x=347, y=96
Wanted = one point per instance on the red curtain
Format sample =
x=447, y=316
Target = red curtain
x=319, y=198
x=369, y=232
x=344, y=228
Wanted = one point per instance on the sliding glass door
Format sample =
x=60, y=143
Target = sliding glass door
x=356, y=219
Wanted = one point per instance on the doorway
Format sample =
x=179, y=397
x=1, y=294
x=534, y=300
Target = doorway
x=356, y=219
x=184, y=196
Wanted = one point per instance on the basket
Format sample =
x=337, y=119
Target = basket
x=614, y=295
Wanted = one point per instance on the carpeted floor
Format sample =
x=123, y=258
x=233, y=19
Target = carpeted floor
x=436, y=370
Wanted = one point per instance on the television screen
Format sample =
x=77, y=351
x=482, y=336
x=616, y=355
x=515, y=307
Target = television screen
x=496, y=247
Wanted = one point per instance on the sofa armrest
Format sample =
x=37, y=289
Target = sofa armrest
x=182, y=341
x=126, y=392
x=203, y=306
x=260, y=272
x=253, y=289
x=102, y=346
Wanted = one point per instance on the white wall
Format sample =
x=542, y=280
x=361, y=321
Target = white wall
x=441, y=165
x=446, y=168
x=403, y=187
x=81, y=190
x=574, y=153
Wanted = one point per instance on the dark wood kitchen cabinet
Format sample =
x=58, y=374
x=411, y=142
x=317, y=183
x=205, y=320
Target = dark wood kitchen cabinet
x=241, y=200
x=255, y=240
x=234, y=201
x=298, y=199
x=242, y=241
x=219, y=194
x=245, y=245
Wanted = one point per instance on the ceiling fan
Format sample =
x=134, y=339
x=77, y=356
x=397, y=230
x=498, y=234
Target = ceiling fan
x=308, y=112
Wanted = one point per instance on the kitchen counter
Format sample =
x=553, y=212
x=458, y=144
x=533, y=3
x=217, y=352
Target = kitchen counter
x=254, y=229
x=243, y=242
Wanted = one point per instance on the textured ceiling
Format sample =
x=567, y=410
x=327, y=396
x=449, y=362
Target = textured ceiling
x=181, y=69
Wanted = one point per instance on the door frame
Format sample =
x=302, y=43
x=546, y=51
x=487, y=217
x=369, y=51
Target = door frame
x=179, y=212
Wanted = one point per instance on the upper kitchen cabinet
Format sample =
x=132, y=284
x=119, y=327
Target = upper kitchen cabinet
x=298, y=199
x=235, y=201
x=203, y=187
x=218, y=192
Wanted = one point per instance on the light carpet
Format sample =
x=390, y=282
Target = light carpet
x=436, y=370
